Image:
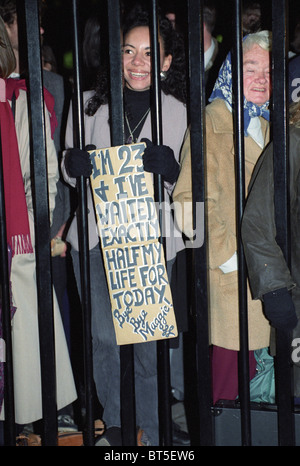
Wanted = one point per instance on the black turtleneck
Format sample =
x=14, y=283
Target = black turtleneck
x=136, y=105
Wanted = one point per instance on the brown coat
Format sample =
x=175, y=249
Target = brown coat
x=221, y=222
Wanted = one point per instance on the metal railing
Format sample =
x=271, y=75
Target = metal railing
x=204, y=434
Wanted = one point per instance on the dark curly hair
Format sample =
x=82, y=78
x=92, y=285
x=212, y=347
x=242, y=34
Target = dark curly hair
x=175, y=82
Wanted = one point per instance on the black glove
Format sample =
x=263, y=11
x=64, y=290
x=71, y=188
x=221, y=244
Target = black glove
x=77, y=162
x=280, y=309
x=160, y=160
x=90, y=147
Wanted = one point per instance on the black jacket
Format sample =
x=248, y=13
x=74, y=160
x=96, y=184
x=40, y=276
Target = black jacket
x=267, y=267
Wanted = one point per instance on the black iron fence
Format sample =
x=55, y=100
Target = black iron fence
x=242, y=422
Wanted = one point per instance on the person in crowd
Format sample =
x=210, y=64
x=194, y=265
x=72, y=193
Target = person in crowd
x=91, y=48
x=214, y=54
x=274, y=281
x=213, y=50
x=48, y=59
x=157, y=159
x=213, y=59
x=20, y=231
x=220, y=207
x=54, y=84
x=171, y=10
x=251, y=16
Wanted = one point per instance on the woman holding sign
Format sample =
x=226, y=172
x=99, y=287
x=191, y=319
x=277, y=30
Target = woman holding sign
x=156, y=159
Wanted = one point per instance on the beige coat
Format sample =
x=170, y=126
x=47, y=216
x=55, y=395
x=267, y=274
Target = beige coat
x=221, y=224
x=25, y=337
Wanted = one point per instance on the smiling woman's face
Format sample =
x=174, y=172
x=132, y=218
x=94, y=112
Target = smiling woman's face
x=257, y=75
x=137, y=59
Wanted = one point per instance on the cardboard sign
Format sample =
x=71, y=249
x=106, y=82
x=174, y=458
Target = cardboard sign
x=129, y=231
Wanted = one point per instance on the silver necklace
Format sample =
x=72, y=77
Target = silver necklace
x=130, y=140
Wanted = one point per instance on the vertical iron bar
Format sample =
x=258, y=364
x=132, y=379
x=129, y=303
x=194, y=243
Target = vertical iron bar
x=42, y=229
x=9, y=434
x=163, y=358
x=78, y=116
x=200, y=276
x=127, y=392
x=283, y=363
x=115, y=66
x=243, y=356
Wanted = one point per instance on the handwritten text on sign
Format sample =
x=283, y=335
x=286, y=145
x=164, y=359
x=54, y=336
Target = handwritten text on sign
x=133, y=256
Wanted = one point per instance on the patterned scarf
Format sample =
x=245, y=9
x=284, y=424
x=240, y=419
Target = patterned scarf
x=223, y=90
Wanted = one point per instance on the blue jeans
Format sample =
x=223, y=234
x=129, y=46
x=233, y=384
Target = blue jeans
x=106, y=357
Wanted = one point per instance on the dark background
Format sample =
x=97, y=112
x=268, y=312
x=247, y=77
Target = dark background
x=57, y=22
